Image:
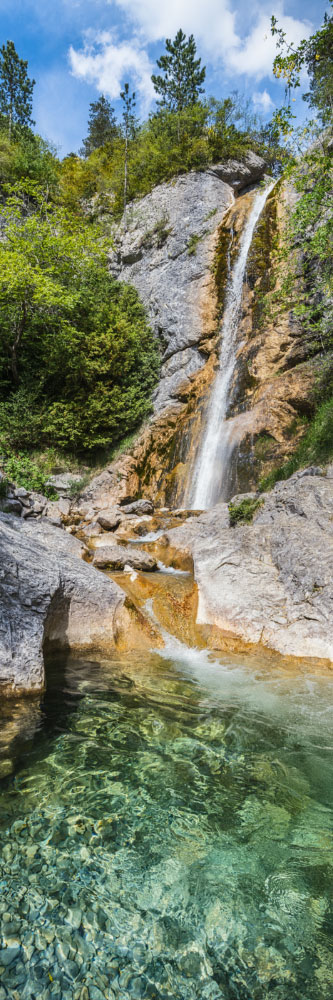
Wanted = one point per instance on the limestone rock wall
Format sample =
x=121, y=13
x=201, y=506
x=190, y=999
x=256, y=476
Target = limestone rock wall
x=49, y=595
x=168, y=253
x=269, y=582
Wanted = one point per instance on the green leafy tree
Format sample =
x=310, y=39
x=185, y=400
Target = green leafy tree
x=102, y=126
x=129, y=126
x=181, y=83
x=314, y=54
x=77, y=358
x=16, y=88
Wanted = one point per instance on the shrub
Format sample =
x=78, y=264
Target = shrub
x=21, y=470
x=243, y=512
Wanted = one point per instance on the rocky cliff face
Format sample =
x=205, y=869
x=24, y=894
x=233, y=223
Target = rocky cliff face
x=276, y=369
x=168, y=253
x=268, y=583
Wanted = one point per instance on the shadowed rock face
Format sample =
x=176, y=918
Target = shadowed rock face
x=48, y=595
x=270, y=582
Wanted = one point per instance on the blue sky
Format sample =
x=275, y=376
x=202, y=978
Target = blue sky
x=77, y=49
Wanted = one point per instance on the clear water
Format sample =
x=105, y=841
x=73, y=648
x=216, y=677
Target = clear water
x=165, y=833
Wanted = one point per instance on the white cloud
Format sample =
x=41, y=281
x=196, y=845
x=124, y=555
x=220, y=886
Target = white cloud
x=263, y=101
x=214, y=25
x=210, y=21
x=107, y=63
x=254, y=56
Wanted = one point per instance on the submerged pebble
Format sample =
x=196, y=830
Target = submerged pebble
x=183, y=851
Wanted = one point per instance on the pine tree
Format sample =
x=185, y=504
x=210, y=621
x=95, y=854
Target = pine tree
x=129, y=130
x=181, y=84
x=15, y=88
x=102, y=126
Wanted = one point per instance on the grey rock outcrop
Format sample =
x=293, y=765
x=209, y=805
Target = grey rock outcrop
x=240, y=174
x=109, y=519
x=138, y=507
x=118, y=556
x=269, y=582
x=166, y=252
x=47, y=593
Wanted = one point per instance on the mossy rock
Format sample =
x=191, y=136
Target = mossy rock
x=243, y=512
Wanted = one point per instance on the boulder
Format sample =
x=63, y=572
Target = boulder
x=64, y=482
x=269, y=582
x=109, y=519
x=118, y=556
x=48, y=595
x=138, y=507
x=92, y=530
x=240, y=174
x=21, y=493
x=11, y=506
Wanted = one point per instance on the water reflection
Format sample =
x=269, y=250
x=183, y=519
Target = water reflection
x=168, y=834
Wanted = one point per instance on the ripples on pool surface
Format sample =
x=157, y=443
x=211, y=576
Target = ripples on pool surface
x=166, y=834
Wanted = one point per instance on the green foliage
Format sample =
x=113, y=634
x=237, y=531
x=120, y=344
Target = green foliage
x=129, y=128
x=315, y=55
x=181, y=83
x=23, y=471
x=243, y=512
x=4, y=487
x=27, y=156
x=102, y=126
x=77, y=358
x=315, y=448
x=193, y=243
x=15, y=89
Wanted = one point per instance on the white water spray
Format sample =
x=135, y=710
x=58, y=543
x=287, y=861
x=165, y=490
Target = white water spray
x=213, y=463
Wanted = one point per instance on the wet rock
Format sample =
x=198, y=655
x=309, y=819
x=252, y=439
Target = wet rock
x=139, y=507
x=109, y=519
x=9, y=955
x=119, y=556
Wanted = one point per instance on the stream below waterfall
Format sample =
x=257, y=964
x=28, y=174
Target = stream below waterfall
x=165, y=827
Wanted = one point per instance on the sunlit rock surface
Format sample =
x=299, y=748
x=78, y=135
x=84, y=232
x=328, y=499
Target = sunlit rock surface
x=269, y=582
x=48, y=593
x=166, y=253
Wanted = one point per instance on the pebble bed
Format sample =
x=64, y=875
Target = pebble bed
x=168, y=841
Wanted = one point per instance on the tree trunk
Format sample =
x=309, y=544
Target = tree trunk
x=16, y=344
x=125, y=179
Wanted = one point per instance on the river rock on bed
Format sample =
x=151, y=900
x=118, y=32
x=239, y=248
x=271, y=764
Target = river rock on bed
x=109, y=519
x=119, y=556
x=47, y=593
x=269, y=582
x=138, y=507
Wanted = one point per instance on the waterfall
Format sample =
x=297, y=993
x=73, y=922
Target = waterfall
x=211, y=474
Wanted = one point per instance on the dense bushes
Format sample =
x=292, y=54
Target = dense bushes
x=77, y=358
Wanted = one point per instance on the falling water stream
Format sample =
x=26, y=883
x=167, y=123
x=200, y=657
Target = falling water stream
x=210, y=481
